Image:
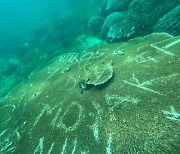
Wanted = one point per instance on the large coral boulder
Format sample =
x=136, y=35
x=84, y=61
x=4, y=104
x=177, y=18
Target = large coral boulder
x=94, y=24
x=140, y=18
x=110, y=20
x=116, y=98
x=117, y=5
x=169, y=23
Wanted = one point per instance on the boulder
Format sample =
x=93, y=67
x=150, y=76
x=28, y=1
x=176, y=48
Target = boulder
x=131, y=107
x=170, y=22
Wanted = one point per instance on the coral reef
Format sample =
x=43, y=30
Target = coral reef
x=107, y=20
x=139, y=18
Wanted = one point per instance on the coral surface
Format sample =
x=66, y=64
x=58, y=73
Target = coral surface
x=125, y=109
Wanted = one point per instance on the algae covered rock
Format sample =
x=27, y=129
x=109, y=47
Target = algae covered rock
x=110, y=20
x=144, y=14
x=110, y=6
x=132, y=107
x=94, y=24
x=117, y=5
x=139, y=18
x=120, y=30
x=169, y=22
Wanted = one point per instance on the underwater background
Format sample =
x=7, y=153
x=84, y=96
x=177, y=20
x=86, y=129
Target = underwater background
x=89, y=76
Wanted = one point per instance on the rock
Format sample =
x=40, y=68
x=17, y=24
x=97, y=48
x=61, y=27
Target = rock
x=95, y=24
x=138, y=20
x=170, y=22
x=86, y=41
x=120, y=31
x=102, y=10
x=117, y=5
x=110, y=6
x=144, y=14
x=109, y=21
